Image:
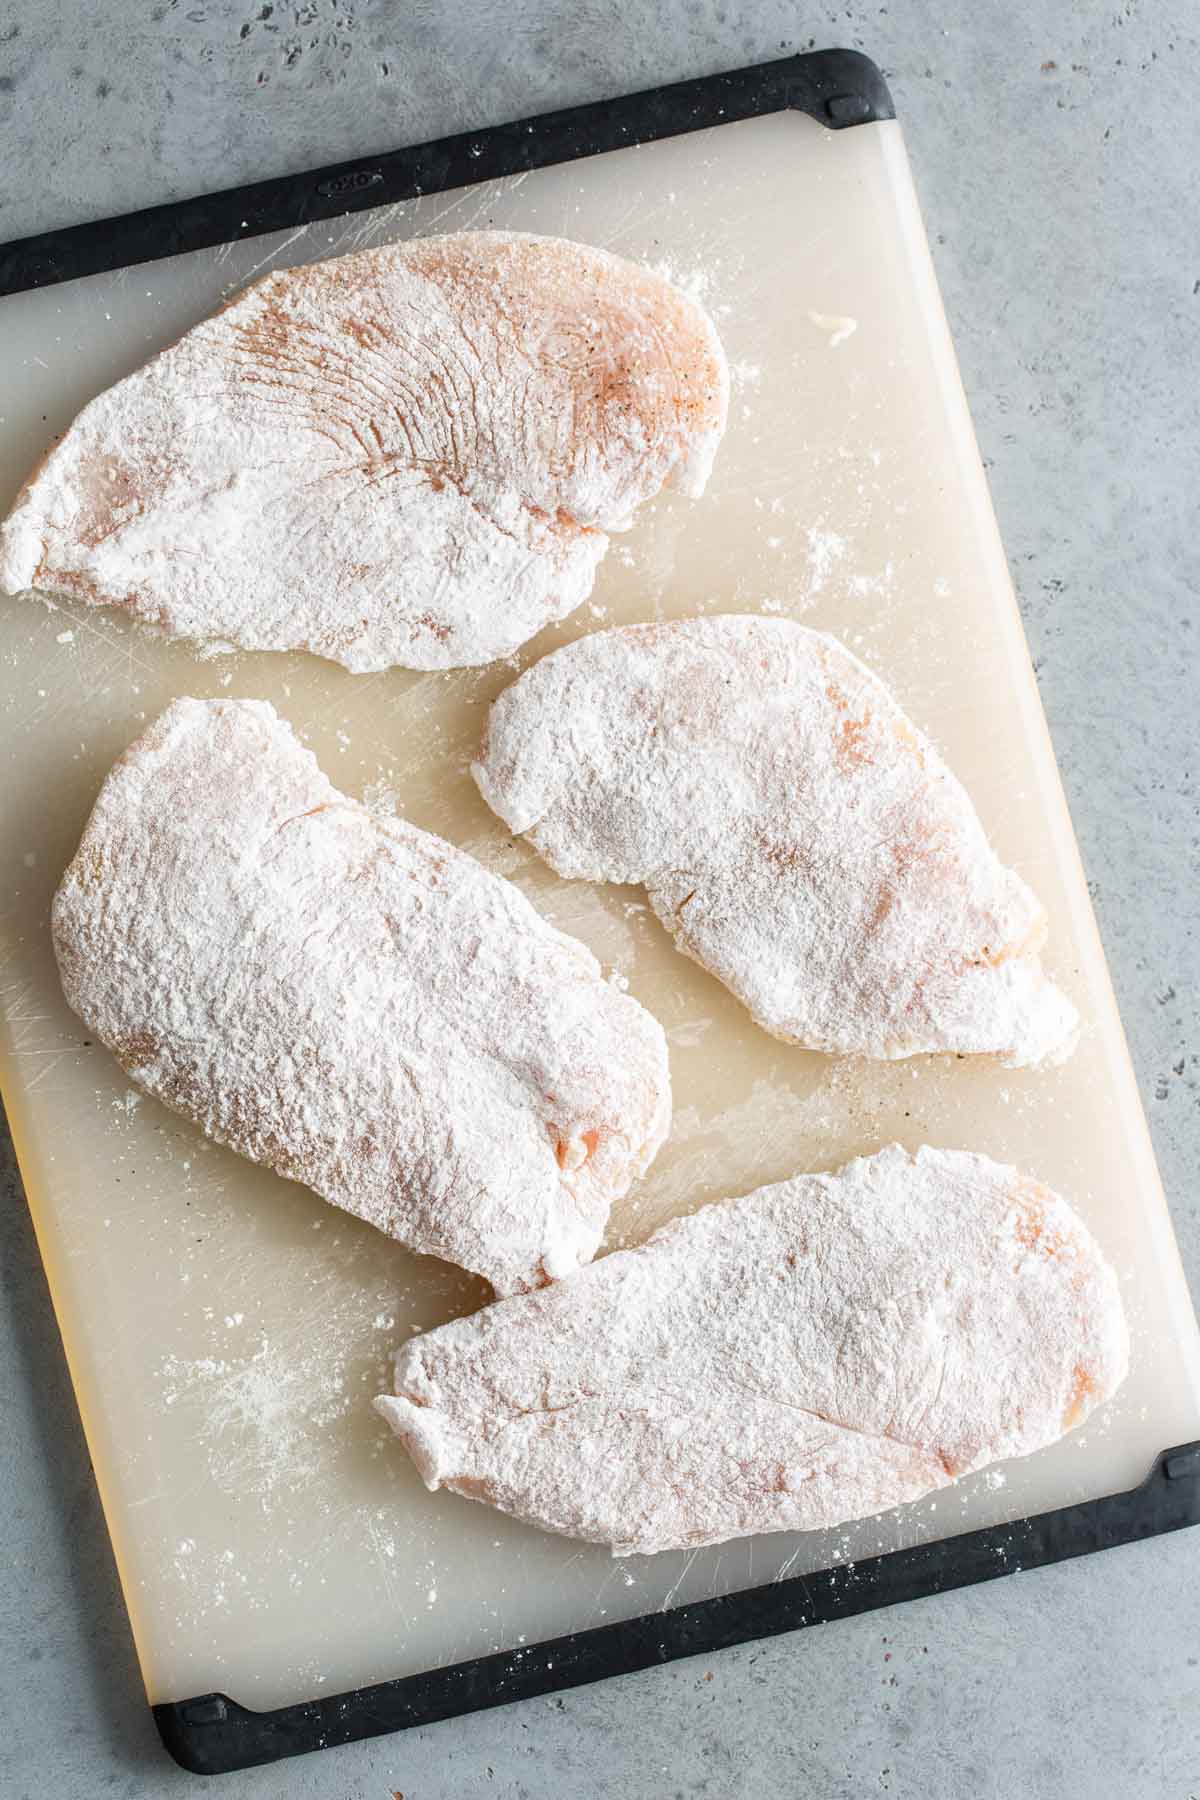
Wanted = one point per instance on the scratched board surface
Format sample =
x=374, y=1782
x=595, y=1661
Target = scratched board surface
x=225, y=1329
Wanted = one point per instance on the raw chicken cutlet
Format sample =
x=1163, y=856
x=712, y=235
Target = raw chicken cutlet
x=816, y=1352
x=354, y=1003
x=795, y=832
x=408, y=456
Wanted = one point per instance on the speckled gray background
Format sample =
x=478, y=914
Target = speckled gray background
x=1056, y=149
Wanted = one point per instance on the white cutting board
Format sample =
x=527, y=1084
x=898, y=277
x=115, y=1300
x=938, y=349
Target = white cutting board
x=225, y=1329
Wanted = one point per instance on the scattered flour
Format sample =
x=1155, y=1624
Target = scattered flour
x=745, y=374
x=825, y=550
x=382, y=798
x=838, y=325
x=259, y=1417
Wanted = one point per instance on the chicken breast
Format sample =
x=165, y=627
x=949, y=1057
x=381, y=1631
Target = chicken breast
x=408, y=456
x=813, y=1353
x=795, y=833
x=353, y=1002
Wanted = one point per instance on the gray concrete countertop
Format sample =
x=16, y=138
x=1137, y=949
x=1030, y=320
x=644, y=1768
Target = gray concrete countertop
x=1056, y=149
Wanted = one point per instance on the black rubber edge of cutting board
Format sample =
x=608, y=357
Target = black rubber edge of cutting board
x=841, y=88
x=213, y=1735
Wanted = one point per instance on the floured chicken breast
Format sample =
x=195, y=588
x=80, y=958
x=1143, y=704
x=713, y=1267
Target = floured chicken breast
x=795, y=833
x=353, y=1002
x=813, y=1353
x=408, y=456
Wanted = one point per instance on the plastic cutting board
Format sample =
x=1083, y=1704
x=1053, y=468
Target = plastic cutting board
x=225, y=1329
